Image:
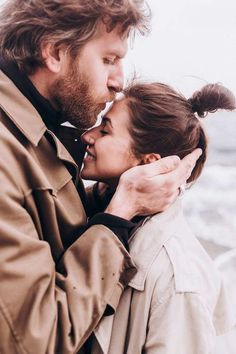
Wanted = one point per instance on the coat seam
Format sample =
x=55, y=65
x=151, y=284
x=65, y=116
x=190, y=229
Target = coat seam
x=5, y=313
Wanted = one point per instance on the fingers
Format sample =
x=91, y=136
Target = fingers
x=188, y=163
x=162, y=166
x=172, y=180
x=167, y=164
x=180, y=175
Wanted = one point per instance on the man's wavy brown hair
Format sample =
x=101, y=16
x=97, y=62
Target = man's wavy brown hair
x=26, y=24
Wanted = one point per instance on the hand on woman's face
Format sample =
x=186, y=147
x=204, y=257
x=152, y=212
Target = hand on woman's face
x=109, y=151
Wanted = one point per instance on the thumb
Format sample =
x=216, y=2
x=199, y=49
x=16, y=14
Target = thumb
x=159, y=167
x=167, y=164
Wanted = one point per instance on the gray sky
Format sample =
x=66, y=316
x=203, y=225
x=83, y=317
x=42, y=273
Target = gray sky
x=192, y=42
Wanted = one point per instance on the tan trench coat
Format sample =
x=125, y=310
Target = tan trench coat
x=175, y=304
x=50, y=299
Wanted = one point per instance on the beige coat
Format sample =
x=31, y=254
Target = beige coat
x=50, y=299
x=176, y=302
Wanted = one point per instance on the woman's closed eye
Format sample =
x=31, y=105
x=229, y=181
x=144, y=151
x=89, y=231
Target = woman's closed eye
x=106, y=126
x=103, y=132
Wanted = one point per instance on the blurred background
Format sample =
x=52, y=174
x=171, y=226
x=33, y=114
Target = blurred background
x=193, y=42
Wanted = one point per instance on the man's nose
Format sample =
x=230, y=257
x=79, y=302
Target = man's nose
x=115, y=81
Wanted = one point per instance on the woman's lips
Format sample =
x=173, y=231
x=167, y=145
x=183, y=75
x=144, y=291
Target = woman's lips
x=89, y=156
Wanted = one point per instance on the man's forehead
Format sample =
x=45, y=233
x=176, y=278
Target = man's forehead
x=111, y=43
x=115, y=49
x=114, y=46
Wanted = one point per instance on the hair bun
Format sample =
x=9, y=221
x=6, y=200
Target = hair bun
x=211, y=98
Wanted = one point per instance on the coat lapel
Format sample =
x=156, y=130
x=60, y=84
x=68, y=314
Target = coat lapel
x=145, y=246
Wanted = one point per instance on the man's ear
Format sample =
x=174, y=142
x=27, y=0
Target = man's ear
x=53, y=57
x=149, y=158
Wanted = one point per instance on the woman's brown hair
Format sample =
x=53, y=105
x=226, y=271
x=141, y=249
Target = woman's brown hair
x=26, y=24
x=163, y=121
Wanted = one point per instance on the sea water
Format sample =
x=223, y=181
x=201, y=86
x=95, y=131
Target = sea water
x=210, y=204
x=210, y=207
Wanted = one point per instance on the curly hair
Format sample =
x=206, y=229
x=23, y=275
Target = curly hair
x=26, y=24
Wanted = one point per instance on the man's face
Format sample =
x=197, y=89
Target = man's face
x=87, y=83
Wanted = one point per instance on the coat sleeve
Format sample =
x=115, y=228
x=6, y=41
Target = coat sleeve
x=47, y=307
x=180, y=324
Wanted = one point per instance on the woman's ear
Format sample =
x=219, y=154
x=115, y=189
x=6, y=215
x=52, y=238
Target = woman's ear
x=149, y=158
x=53, y=57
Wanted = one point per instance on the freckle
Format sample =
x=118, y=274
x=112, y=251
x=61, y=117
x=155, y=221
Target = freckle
x=113, y=274
x=74, y=287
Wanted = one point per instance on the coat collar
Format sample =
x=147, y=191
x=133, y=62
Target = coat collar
x=20, y=111
x=27, y=119
x=148, y=240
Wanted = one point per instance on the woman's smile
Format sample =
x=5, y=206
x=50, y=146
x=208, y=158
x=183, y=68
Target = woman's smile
x=88, y=156
x=109, y=152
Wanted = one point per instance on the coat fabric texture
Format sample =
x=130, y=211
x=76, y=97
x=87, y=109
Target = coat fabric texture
x=176, y=303
x=51, y=298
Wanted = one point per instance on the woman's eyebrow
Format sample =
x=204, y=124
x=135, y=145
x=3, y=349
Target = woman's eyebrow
x=107, y=120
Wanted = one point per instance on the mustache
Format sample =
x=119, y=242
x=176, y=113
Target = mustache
x=112, y=96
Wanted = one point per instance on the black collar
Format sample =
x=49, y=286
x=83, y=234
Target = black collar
x=70, y=137
x=52, y=119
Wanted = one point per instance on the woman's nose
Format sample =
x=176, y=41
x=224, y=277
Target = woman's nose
x=87, y=138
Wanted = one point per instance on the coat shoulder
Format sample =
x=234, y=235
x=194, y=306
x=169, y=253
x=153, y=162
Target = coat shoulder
x=182, y=265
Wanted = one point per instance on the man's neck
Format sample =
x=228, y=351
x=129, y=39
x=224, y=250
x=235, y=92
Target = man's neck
x=42, y=79
x=34, y=88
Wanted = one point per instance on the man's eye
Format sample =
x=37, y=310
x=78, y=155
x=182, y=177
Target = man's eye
x=109, y=61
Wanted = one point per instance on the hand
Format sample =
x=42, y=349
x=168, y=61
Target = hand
x=151, y=188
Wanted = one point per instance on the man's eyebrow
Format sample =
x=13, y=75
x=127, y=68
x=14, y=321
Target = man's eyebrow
x=116, y=54
x=107, y=120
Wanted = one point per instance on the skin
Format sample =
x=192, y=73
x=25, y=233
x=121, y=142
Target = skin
x=81, y=87
x=109, y=152
x=97, y=74
x=109, y=148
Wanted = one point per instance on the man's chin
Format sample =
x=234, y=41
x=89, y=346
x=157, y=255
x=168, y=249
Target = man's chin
x=82, y=123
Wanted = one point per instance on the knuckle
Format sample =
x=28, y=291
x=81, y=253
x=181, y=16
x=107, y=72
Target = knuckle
x=168, y=185
x=170, y=163
x=167, y=166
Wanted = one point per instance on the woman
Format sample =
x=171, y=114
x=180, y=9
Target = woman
x=176, y=303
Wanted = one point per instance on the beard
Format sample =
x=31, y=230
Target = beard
x=72, y=94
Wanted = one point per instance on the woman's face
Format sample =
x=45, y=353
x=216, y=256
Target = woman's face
x=109, y=151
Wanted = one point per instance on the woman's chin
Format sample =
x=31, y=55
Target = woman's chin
x=86, y=176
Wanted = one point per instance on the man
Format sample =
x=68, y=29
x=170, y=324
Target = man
x=61, y=61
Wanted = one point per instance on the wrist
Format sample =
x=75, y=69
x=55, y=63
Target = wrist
x=121, y=206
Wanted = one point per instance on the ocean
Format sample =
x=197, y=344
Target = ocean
x=210, y=204
x=210, y=207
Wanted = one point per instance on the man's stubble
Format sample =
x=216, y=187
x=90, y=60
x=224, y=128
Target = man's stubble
x=72, y=94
